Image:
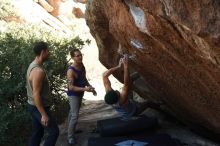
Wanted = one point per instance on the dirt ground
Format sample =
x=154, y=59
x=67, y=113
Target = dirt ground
x=89, y=114
x=97, y=110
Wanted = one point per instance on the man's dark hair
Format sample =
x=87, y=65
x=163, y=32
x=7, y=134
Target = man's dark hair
x=111, y=97
x=39, y=46
x=72, y=52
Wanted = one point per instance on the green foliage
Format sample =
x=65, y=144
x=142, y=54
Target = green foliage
x=13, y=124
x=16, y=43
x=16, y=54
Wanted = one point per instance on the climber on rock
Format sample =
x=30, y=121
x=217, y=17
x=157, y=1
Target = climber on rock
x=123, y=101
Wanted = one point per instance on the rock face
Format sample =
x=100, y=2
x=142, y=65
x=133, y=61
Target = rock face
x=173, y=44
x=61, y=9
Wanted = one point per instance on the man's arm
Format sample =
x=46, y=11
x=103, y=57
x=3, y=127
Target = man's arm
x=71, y=75
x=106, y=74
x=89, y=85
x=37, y=77
x=124, y=92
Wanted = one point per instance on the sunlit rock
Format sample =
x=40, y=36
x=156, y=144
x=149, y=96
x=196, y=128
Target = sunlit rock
x=174, y=46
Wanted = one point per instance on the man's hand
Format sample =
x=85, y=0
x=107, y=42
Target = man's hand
x=89, y=88
x=45, y=120
x=125, y=61
x=120, y=62
x=94, y=92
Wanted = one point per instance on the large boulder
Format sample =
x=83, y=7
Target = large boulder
x=174, y=45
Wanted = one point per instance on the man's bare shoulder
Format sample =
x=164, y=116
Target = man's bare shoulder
x=36, y=72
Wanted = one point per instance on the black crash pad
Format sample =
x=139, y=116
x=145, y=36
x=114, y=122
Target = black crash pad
x=119, y=127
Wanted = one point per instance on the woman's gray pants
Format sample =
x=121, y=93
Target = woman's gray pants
x=75, y=103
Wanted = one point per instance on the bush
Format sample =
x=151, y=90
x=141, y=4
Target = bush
x=16, y=54
x=16, y=43
x=14, y=126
